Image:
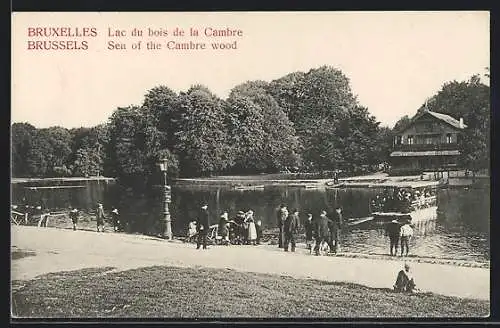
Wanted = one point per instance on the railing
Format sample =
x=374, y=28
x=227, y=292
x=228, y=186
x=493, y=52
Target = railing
x=424, y=147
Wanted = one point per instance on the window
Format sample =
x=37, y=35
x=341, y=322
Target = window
x=397, y=140
x=429, y=140
x=448, y=138
x=410, y=140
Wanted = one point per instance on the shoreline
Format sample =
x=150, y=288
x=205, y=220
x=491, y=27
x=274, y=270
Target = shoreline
x=64, y=250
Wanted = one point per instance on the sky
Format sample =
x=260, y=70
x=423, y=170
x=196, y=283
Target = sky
x=394, y=60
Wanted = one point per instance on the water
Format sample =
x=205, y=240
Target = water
x=461, y=230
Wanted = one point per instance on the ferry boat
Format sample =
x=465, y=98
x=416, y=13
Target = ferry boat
x=422, y=208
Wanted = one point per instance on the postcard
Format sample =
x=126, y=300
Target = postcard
x=250, y=165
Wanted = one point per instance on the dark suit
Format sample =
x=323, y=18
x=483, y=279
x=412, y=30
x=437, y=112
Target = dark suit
x=202, y=226
x=323, y=233
x=336, y=227
x=290, y=227
x=281, y=218
x=392, y=230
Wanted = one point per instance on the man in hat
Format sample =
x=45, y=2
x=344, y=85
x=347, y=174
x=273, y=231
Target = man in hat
x=239, y=220
x=322, y=232
x=291, y=228
x=100, y=217
x=338, y=221
x=202, y=226
x=392, y=231
x=281, y=216
x=73, y=215
x=308, y=226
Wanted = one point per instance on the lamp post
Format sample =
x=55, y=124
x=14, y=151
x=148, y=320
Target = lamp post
x=167, y=232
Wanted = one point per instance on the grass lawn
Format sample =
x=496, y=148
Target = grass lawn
x=199, y=292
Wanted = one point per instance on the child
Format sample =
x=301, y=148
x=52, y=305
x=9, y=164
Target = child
x=73, y=214
x=223, y=228
x=116, y=222
x=191, y=231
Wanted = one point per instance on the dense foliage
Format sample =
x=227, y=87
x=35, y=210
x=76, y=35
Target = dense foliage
x=304, y=122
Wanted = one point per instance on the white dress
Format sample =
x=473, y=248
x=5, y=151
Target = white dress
x=252, y=231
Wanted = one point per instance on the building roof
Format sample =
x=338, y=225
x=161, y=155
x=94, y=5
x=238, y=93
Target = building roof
x=447, y=118
x=440, y=116
x=425, y=153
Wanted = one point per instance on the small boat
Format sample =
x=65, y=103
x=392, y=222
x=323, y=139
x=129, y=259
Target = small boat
x=313, y=186
x=338, y=185
x=249, y=187
x=357, y=221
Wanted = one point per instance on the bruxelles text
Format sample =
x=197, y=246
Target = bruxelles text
x=36, y=33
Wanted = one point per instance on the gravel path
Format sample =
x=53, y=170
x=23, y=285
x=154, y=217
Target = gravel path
x=66, y=250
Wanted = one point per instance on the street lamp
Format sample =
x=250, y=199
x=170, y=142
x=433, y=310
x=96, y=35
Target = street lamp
x=167, y=232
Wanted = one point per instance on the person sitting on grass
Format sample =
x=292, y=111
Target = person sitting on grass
x=404, y=281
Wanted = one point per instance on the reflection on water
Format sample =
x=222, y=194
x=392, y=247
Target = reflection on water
x=461, y=230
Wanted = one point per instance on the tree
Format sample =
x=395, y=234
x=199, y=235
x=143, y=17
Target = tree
x=402, y=123
x=160, y=106
x=22, y=136
x=200, y=137
x=270, y=142
x=89, y=154
x=126, y=145
x=318, y=103
x=469, y=100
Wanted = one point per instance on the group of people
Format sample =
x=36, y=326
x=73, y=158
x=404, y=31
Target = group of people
x=400, y=199
x=399, y=232
x=243, y=229
x=322, y=229
x=74, y=215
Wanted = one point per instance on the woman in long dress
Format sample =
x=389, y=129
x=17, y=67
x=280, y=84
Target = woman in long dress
x=252, y=231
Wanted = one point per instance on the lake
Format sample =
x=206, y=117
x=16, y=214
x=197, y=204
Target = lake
x=461, y=230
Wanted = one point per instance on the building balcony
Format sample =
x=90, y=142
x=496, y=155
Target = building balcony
x=426, y=147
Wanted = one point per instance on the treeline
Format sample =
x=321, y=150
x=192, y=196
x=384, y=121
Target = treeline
x=307, y=122
x=304, y=121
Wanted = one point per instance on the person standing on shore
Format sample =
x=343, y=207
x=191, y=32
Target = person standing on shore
x=405, y=234
x=115, y=219
x=337, y=228
x=100, y=217
x=202, y=225
x=308, y=227
x=281, y=216
x=258, y=228
x=223, y=228
x=290, y=227
x=239, y=228
x=73, y=214
x=392, y=231
x=322, y=233
x=252, y=231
